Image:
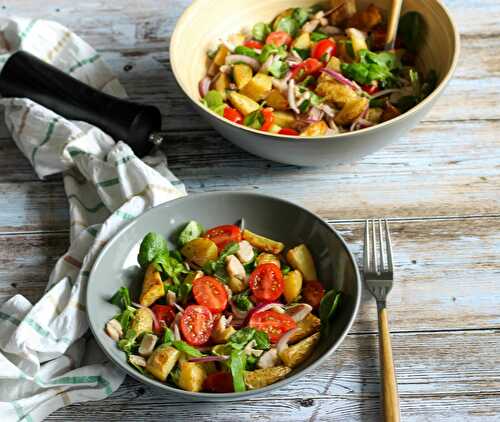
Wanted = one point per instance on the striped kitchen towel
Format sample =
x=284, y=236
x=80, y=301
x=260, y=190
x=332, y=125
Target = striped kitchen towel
x=47, y=358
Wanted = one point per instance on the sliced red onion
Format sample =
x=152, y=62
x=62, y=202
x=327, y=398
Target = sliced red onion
x=137, y=305
x=342, y=79
x=384, y=93
x=171, y=297
x=241, y=58
x=311, y=25
x=355, y=124
x=363, y=123
x=315, y=115
x=204, y=349
x=204, y=86
x=331, y=123
x=267, y=64
x=299, y=311
x=329, y=111
x=282, y=344
x=175, y=327
x=203, y=359
x=291, y=97
x=331, y=30
x=179, y=307
x=275, y=306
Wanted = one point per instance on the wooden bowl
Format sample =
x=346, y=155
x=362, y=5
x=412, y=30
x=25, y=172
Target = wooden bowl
x=206, y=21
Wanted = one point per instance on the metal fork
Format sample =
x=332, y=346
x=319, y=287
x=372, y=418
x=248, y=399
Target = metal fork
x=379, y=278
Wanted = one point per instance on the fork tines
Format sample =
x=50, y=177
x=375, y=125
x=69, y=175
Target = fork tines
x=377, y=249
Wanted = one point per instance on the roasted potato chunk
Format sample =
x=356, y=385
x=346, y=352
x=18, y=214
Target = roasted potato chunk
x=277, y=100
x=244, y=104
x=358, y=40
x=200, y=251
x=284, y=118
x=316, y=129
x=336, y=92
x=236, y=285
x=301, y=259
x=267, y=258
x=292, y=285
x=309, y=325
x=374, y=115
x=219, y=60
x=161, y=361
x=343, y=10
x=263, y=243
x=242, y=74
x=152, y=287
x=259, y=87
x=390, y=112
x=192, y=375
x=303, y=41
x=367, y=19
x=294, y=355
x=263, y=377
x=351, y=111
x=221, y=84
x=142, y=321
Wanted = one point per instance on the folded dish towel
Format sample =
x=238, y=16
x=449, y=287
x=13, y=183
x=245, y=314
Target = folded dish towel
x=47, y=358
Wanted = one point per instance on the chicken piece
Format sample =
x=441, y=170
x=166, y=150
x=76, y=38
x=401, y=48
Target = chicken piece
x=236, y=285
x=336, y=92
x=114, y=329
x=148, y=344
x=137, y=360
x=269, y=359
x=222, y=331
x=245, y=252
x=235, y=268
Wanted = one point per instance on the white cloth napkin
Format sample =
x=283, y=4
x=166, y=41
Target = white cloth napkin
x=47, y=358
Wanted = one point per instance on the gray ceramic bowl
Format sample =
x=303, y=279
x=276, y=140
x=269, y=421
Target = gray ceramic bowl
x=206, y=21
x=117, y=266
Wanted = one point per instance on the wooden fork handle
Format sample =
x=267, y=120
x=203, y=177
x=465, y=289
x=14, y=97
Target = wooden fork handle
x=389, y=387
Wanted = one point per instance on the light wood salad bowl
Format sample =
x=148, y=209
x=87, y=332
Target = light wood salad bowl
x=206, y=21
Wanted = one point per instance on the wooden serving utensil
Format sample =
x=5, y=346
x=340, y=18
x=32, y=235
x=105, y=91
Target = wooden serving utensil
x=392, y=26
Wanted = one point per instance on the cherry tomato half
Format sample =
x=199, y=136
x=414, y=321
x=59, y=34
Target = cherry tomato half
x=268, y=115
x=233, y=115
x=165, y=315
x=223, y=235
x=219, y=382
x=306, y=68
x=210, y=292
x=324, y=50
x=279, y=38
x=266, y=282
x=253, y=44
x=196, y=324
x=288, y=131
x=313, y=292
x=272, y=323
x=370, y=88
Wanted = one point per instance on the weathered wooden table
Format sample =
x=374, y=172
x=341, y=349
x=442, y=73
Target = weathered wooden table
x=440, y=185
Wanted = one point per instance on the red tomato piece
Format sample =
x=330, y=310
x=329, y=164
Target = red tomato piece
x=324, y=50
x=233, y=115
x=268, y=115
x=272, y=323
x=313, y=292
x=279, y=38
x=219, y=382
x=253, y=44
x=266, y=282
x=223, y=235
x=196, y=324
x=210, y=292
x=371, y=88
x=288, y=131
x=306, y=68
x=165, y=315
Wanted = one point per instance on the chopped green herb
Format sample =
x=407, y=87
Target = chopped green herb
x=269, y=49
x=318, y=36
x=242, y=301
x=287, y=24
x=301, y=15
x=304, y=53
x=237, y=365
x=246, y=51
x=254, y=120
x=372, y=67
x=121, y=298
x=191, y=351
x=168, y=336
x=278, y=69
x=128, y=343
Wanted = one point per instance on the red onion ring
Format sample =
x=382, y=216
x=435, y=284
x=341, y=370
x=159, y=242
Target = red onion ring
x=204, y=86
x=282, y=344
x=241, y=58
x=342, y=79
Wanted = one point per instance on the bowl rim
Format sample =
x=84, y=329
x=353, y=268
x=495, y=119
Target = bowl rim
x=97, y=331
x=289, y=138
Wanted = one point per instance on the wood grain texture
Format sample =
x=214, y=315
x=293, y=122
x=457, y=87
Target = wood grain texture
x=346, y=387
x=444, y=307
